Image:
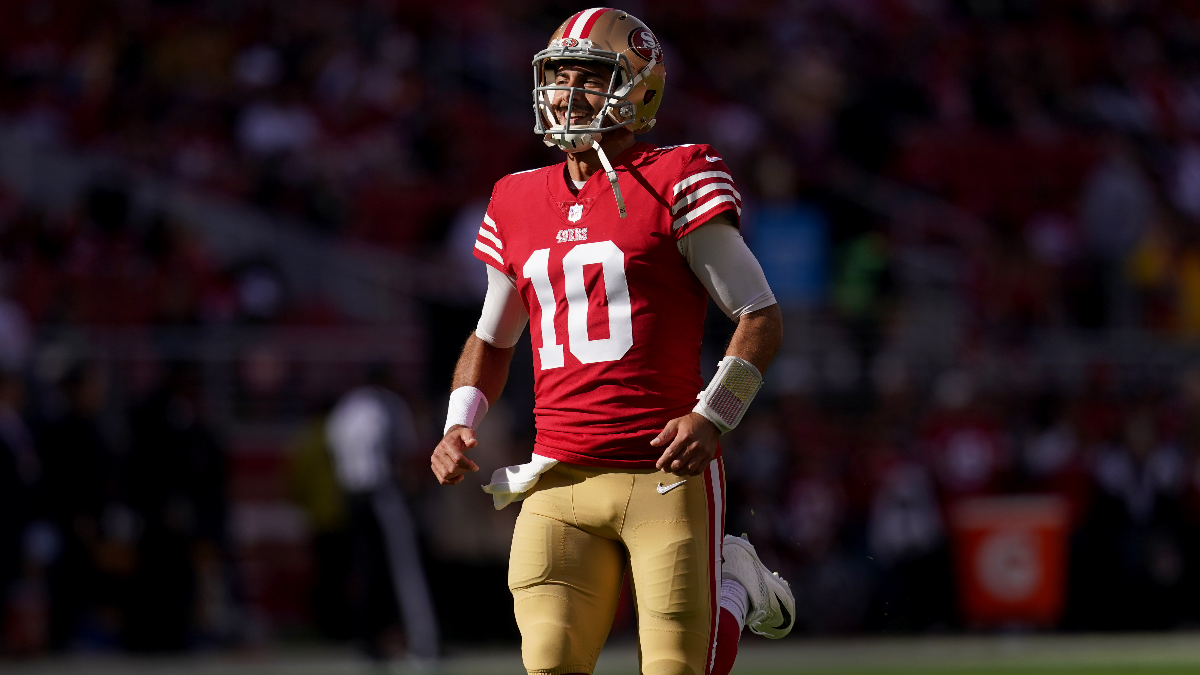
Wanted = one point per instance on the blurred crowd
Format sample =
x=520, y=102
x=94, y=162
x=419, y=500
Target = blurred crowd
x=1065, y=132
x=858, y=507
x=93, y=263
x=950, y=198
x=110, y=539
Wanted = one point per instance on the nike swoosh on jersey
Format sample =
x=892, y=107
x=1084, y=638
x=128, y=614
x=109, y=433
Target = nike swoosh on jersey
x=712, y=159
x=787, y=616
x=664, y=489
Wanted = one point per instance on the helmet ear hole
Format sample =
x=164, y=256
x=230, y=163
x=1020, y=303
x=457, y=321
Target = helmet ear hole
x=650, y=94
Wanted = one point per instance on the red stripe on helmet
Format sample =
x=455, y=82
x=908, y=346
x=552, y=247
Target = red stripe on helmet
x=587, y=27
x=571, y=23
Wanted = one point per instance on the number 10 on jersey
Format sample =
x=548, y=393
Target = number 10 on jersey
x=616, y=289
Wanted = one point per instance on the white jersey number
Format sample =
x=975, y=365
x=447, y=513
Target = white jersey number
x=616, y=289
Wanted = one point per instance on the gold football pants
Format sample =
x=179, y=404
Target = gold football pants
x=576, y=533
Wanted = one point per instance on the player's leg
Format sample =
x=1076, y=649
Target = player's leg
x=674, y=542
x=735, y=607
x=565, y=584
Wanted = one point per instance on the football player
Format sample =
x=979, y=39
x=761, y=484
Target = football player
x=611, y=257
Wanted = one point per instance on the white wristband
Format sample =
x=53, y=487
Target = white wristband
x=467, y=407
x=725, y=400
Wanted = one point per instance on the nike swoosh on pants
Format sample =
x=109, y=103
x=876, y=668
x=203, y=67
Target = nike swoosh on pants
x=664, y=489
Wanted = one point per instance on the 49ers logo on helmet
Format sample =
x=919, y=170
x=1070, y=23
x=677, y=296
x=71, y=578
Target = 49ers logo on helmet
x=570, y=42
x=642, y=41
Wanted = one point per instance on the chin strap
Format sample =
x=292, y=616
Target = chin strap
x=612, y=177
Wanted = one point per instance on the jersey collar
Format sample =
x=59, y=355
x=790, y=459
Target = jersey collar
x=560, y=191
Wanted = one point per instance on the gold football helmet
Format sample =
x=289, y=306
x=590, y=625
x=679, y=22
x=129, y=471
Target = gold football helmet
x=615, y=38
x=635, y=90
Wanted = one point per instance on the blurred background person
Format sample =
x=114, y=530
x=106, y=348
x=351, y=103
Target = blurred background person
x=28, y=540
x=177, y=490
x=82, y=497
x=313, y=484
x=369, y=431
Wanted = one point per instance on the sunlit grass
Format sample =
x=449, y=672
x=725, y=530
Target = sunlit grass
x=1173, y=653
x=987, y=670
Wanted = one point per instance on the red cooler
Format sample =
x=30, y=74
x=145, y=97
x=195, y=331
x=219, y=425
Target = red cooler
x=1010, y=556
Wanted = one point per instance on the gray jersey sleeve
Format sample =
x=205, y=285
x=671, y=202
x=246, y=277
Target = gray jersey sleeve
x=503, y=317
x=721, y=260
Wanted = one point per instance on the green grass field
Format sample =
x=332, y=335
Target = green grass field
x=1063, y=669
x=1144, y=654
x=1148, y=654
x=986, y=670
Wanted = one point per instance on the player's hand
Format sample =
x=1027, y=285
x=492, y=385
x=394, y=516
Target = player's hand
x=693, y=444
x=449, y=461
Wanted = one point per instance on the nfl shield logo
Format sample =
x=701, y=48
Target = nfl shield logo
x=575, y=213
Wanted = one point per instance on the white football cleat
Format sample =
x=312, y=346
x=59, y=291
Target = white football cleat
x=772, y=606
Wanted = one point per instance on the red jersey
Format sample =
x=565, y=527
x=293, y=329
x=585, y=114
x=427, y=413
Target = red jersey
x=615, y=312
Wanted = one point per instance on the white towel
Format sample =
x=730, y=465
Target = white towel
x=512, y=482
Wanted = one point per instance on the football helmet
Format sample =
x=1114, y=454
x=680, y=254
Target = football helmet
x=619, y=40
x=635, y=89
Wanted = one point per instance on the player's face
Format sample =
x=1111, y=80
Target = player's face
x=592, y=77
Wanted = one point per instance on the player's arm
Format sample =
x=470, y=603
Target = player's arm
x=728, y=269
x=735, y=281
x=757, y=337
x=479, y=376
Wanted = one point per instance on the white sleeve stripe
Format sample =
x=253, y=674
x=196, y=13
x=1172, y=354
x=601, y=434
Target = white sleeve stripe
x=697, y=177
x=692, y=197
x=491, y=237
x=489, y=250
x=487, y=220
x=696, y=213
x=701, y=184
